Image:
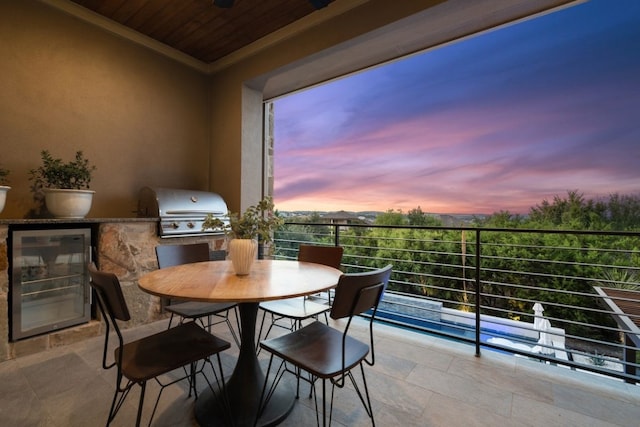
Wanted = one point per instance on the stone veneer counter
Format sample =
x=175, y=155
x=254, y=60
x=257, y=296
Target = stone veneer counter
x=124, y=246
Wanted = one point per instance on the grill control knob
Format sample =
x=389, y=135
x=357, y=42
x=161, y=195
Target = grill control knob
x=190, y=225
x=175, y=225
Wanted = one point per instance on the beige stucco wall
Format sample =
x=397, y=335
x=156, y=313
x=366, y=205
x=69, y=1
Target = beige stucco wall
x=66, y=85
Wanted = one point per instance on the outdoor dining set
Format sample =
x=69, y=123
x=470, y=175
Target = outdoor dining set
x=199, y=292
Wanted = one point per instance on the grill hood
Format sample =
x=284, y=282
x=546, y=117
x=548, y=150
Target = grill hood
x=181, y=212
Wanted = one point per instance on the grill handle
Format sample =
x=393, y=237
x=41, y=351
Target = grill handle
x=191, y=212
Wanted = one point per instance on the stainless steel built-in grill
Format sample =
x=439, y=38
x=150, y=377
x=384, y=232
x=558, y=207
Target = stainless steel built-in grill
x=181, y=212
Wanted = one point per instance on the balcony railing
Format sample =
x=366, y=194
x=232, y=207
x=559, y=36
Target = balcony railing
x=481, y=285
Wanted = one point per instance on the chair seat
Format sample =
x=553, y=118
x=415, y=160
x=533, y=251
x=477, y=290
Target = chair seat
x=165, y=351
x=296, y=308
x=195, y=309
x=317, y=348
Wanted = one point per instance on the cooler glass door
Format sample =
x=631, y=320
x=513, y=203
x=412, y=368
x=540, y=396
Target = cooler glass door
x=50, y=281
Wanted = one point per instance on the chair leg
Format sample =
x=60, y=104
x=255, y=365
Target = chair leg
x=143, y=387
x=170, y=321
x=272, y=322
x=192, y=380
x=263, y=397
x=155, y=406
x=267, y=392
x=205, y=325
x=368, y=408
x=237, y=314
x=364, y=397
x=333, y=391
x=258, y=348
x=324, y=402
x=233, y=333
x=315, y=401
x=113, y=410
x=223, y=387
x=119, y=396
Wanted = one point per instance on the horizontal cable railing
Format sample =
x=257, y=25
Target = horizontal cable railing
x=570, y=298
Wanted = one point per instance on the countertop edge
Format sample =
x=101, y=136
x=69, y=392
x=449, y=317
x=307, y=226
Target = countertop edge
x=18, y=221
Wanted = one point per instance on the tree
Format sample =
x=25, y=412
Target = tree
x=621, y=213
x=502, y=219
x=391, y=217
x=518, y=266
x=418, y=217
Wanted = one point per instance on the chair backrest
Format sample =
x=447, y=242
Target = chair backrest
x=112, y=306
x=109, y=291
x=326, y=255
x=172, y=255
x=359, y=292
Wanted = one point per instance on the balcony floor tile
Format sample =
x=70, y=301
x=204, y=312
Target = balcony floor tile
x=418, y=380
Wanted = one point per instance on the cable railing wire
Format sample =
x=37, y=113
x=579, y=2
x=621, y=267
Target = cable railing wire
x=481, y=287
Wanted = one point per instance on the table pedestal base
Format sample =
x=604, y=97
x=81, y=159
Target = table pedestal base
x=244, y=387
x=209, y=411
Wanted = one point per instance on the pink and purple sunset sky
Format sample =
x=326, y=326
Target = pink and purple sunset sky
x=499, y=122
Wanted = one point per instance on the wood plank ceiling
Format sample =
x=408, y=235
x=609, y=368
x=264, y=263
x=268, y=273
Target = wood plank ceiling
x=198, y=27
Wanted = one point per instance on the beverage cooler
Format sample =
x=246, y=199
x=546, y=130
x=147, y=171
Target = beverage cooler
x=49, y=280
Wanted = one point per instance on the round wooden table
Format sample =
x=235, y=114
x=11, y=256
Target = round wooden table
x=215, y=281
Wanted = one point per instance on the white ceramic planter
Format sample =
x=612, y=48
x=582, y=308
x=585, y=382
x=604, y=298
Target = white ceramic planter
x=3, y=196
x=64, y=203
x=242, y=253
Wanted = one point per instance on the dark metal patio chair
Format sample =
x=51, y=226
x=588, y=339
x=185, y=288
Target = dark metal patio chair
x=293, y=311
x=155, y=355
x=172, y=255
x=327, y=353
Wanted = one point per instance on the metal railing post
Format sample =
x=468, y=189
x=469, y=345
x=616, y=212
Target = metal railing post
x=477, y=293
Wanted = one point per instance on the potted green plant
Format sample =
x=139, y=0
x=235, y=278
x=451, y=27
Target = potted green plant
x=63, y=186
x=259, y=220
x=4, y=186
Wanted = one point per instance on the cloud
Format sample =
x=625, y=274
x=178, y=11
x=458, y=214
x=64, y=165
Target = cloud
x=498, y=122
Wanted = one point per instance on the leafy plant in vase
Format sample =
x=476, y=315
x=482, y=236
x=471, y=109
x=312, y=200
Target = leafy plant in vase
x=259, y=220
x=4, y=186
x=63, y=187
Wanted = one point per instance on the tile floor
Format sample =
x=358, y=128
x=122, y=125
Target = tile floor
x=418, y=380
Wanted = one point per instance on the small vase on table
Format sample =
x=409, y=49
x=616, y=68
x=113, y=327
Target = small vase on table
x=242, y=253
